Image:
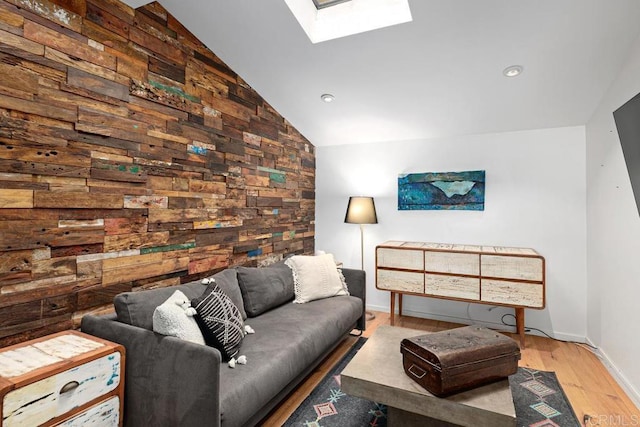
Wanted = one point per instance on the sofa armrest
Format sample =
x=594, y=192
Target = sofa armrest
x=168, y=381
x=357, y=284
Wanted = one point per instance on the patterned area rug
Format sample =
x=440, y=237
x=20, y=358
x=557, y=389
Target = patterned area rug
x=538, y=397
x=540, y=400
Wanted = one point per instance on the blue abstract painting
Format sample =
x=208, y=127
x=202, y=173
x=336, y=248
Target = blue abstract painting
x=441, y=191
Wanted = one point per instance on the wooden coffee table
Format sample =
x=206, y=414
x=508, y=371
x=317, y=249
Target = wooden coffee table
x=376, y=373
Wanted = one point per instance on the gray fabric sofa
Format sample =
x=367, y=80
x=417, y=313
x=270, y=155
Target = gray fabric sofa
x=171, y=382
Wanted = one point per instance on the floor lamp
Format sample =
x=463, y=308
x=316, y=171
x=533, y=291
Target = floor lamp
x=361, y=210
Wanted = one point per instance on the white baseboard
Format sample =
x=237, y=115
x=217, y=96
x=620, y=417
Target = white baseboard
x=466, y=321
x=628, y=388
x=453, y=319
x=617, y=374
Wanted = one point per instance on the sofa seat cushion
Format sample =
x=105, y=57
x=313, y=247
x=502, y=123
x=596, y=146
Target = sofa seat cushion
x=287, y=340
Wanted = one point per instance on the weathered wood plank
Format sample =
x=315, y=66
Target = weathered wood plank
x=15, y=267
x=9, y=16
x=54, y=267
x=101, y=85
x=107, y=20
x=39, y=108
x=196, y=73
x=32, y=152
x=21, y=43
x=68, y=45
x=51, y=11
x=156, y=45
x=179, y=215
x=114, y=226
x=76, y=251
x=16, y=198
x=116, y=8
x=167, y=70
x=143, y=269
x=21, y=79
x=99, y=295
x=66, y=200
x=122, y=242
x=208, y=264
x=215, y=65
x=118, y=172
x=143, y=202
x=110, y=121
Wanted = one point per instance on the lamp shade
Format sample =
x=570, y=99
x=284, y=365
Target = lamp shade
x=361, y=210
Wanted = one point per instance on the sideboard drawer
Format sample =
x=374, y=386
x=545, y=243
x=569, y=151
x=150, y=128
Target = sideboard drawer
x=58, y=394
x=511, y=267
x=405, y=281
x=513, y=293
x=408, y=259
x=452, y=286
x=103, y=414
x=452, y=262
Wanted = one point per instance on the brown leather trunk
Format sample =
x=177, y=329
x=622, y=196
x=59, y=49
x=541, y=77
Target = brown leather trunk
x=451, y=361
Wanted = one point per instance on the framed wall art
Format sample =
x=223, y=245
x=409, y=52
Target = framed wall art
x=441, y=191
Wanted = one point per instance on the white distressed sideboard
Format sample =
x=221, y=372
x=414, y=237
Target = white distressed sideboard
x=68, y=379
x=512, y=277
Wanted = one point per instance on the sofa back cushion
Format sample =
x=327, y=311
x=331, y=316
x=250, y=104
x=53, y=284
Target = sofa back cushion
x=265, y=288
x=136, y=308
x=316, y=277
x=227, y=281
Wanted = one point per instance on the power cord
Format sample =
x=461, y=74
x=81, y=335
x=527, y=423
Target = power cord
x=471, y=319
x=529, y=329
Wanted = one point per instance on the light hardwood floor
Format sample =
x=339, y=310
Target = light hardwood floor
x=592, y=391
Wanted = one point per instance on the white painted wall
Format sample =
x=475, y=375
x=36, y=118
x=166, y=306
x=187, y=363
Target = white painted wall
x=613, y=236
x=535, y=197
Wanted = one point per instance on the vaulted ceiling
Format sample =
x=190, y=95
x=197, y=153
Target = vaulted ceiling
x=439, y=75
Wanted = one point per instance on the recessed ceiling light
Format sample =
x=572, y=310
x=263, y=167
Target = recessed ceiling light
x=512, y=71
x=327, y=97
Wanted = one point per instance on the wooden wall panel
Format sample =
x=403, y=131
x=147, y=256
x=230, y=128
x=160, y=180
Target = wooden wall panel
x=131, y=157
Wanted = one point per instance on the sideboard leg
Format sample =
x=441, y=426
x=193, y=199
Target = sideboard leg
x=399, y=304
x=392, y=314
x=520, y=324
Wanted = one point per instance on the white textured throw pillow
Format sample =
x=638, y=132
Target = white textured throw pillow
x=174, y=317
x=316, y=277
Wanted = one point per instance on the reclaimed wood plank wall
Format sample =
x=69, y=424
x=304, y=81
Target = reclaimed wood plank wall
x=131, y=157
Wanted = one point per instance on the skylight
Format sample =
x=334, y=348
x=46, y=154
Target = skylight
x=331, y=19
x=321, y=4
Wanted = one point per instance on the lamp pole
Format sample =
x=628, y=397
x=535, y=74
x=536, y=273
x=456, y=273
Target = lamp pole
x=362, y=247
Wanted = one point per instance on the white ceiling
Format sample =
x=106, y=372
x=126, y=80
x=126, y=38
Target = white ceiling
x=439, y=75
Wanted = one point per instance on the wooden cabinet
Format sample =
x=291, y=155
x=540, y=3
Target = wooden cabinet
x=66, y=379
x=513, y=277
